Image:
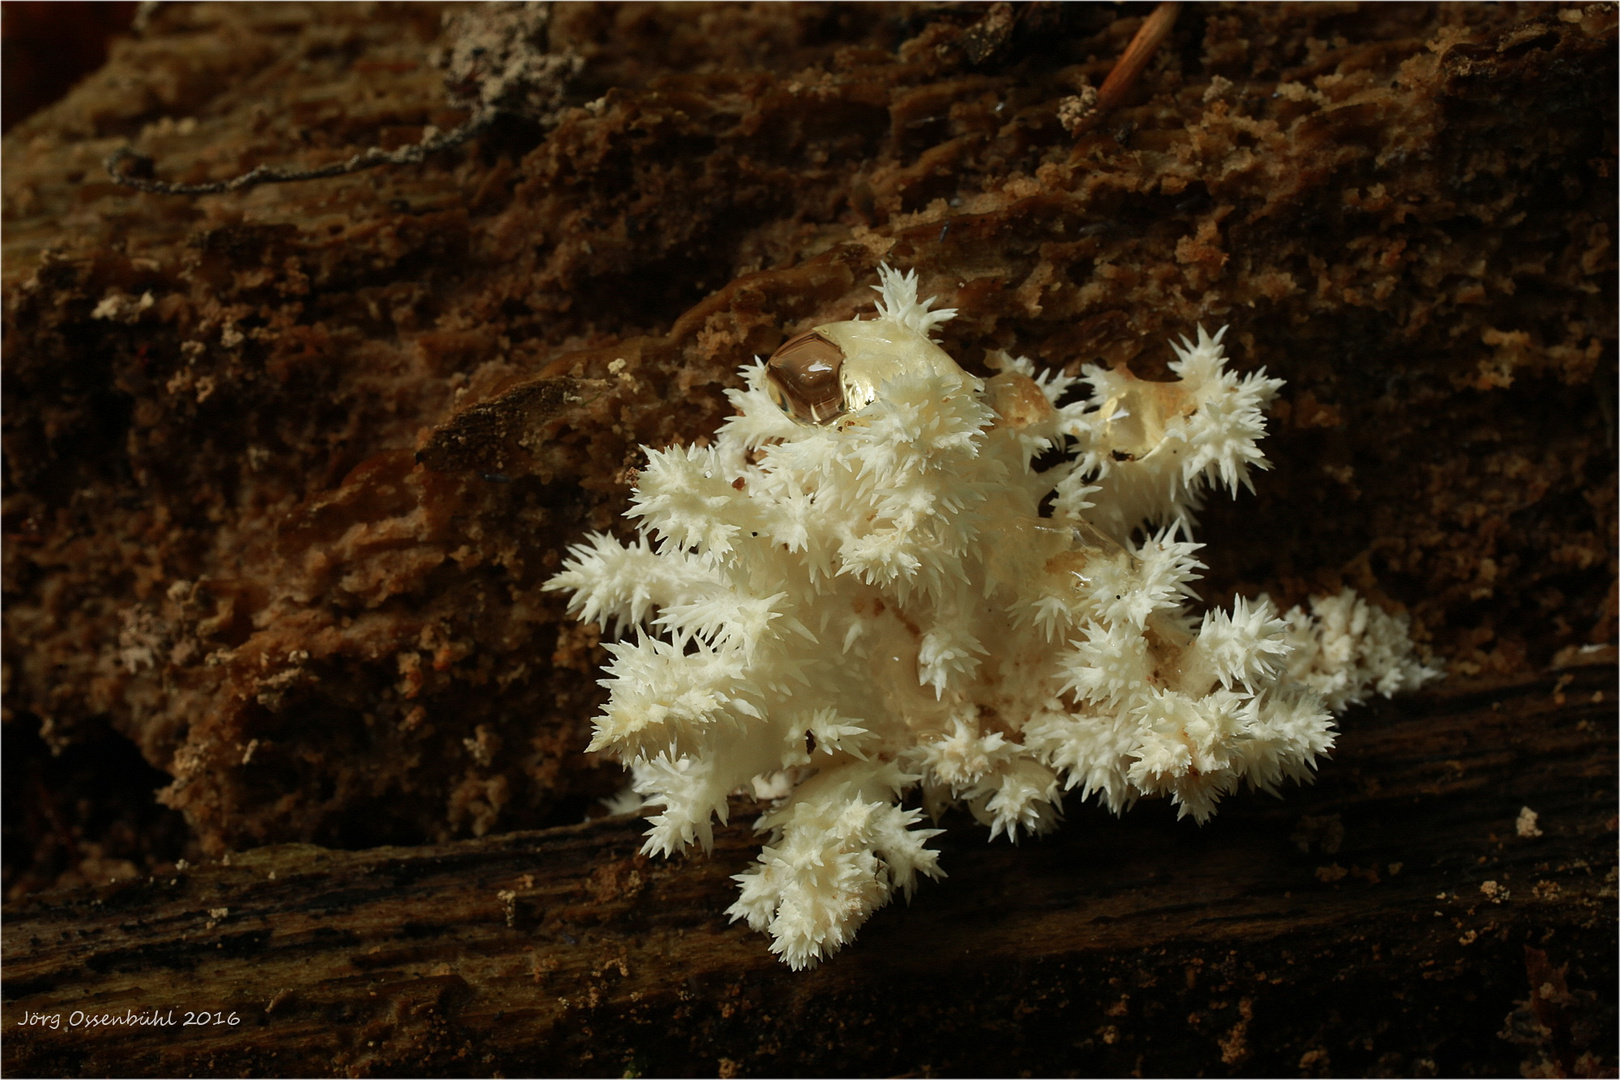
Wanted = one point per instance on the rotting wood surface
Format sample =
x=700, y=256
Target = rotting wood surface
x=1381, y=921
x=226, y=573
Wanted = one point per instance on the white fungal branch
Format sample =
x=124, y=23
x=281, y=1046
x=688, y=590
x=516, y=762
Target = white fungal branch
x=853, y=596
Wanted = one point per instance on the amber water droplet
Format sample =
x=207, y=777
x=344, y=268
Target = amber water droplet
x=802, y=378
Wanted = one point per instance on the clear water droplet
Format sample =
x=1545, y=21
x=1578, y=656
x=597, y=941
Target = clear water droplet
x=802, y=377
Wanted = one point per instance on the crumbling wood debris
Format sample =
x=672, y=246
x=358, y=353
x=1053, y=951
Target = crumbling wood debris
x=223, y=551
x=230, y=583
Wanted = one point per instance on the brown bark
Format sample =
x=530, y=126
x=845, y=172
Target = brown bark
x=285, y=467
x=1377, y=923
x=224, y=552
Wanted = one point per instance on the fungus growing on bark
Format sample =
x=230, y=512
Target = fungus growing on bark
x=853, y=595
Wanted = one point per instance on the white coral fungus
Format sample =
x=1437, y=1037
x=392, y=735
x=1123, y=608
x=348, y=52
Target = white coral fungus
x=853, y=594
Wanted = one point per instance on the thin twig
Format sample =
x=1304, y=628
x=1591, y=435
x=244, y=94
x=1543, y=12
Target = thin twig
x=371, y=158
x=1153, y=30
x=1080, y=112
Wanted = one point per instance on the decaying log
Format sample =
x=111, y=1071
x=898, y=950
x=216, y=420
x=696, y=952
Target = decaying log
x=1390, y=920
x=285, y=468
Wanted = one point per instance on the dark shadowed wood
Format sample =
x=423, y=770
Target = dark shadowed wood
x=1350, y=928
x=226, y=574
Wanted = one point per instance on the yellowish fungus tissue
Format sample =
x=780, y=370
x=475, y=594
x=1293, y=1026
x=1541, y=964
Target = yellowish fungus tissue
x=863, y=602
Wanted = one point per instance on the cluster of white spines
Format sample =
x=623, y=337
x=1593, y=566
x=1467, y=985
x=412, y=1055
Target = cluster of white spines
x=1149, y=450
x=842, y=849
x=1346, y=649
x=897, y=302
x=846, y=613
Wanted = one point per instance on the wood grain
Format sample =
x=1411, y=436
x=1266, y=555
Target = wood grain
x=1346, y=929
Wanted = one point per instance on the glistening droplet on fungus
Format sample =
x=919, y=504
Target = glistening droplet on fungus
x=804, y=378
x=851, y=597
